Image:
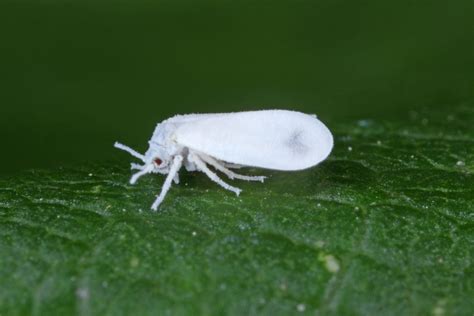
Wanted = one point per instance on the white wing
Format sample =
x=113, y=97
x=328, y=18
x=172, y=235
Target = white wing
x=272, y=139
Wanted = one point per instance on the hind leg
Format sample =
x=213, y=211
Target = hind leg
x=201, y=165
x=229, y=173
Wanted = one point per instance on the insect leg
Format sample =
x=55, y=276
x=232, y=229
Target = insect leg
x=230, y=165
x=142, y=172
x=202, y=167
x=135, y=166
x=177, y=162
x=176, y=178
x=222, y=168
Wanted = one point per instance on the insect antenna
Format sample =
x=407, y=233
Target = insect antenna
x=132, y=152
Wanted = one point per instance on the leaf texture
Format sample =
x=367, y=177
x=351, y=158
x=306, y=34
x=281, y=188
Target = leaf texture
x=385, y=226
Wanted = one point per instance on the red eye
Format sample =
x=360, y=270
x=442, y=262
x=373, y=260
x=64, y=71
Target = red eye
x=158, y=161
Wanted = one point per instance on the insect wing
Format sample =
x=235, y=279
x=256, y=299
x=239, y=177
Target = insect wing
x=273, y=139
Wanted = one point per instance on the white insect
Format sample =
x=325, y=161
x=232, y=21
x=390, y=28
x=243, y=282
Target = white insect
x=270, y=139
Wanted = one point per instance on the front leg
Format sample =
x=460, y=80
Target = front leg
x=172, y=174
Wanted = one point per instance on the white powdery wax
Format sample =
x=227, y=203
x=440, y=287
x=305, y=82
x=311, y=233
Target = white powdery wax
x=269, y=139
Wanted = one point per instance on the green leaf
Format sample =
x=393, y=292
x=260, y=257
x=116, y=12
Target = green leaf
x=385, y=226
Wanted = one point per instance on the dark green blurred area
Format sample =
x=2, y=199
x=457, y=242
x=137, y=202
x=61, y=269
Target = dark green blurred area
x=76, y=76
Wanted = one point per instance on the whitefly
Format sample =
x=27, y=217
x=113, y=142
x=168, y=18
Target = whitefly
x=269, y=139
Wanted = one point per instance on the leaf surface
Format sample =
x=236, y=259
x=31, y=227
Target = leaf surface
x=385, y=226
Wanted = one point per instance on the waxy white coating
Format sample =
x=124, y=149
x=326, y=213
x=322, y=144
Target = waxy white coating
x=270, y=139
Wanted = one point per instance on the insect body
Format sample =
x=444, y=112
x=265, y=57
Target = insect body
x=270, y=139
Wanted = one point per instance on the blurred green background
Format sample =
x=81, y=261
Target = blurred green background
x=78, y=75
